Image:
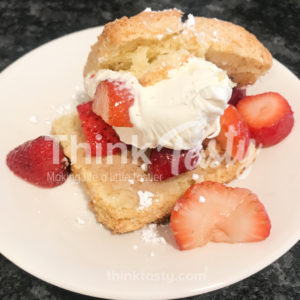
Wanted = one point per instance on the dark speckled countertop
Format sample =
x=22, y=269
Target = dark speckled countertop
x=27, y=24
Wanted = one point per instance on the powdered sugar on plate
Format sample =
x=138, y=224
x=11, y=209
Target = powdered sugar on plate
x=33, y=119
x=150, y=234
x=80, y=221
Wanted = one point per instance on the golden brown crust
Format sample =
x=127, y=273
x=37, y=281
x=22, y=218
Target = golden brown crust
x=147, y=24
x=235, y=50
x=115, y=200
x=116, y=34
x=151, y=43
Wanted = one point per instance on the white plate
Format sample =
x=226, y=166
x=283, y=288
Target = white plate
x=38, y=227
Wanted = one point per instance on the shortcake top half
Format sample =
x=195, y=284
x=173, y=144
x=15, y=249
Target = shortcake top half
x=151, y=43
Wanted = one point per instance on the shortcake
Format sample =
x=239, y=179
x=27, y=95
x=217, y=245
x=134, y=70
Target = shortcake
x=159, y=84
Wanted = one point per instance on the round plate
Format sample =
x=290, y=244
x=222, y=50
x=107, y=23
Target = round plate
x=41, y=230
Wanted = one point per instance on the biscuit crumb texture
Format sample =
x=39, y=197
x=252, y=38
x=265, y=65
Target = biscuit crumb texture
x=153, y=42
x=119, y=199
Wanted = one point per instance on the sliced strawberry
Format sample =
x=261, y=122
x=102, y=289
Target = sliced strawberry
x=40, y=162
x=237, y=95
x=234, y=136
x=269, y=117
x=96, y=131
x=210, y=211
x=167, y=162
x=112, y=102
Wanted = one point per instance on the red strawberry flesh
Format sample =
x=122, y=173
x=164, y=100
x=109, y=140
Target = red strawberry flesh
x=210, y=211
x=98, y=133
x=38, y=162
x=166, y=163
x=269, y=117
x=112, y=102
x=234, y=136
x=237, y=95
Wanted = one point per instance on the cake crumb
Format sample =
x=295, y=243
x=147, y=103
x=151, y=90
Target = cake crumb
x=131, y=181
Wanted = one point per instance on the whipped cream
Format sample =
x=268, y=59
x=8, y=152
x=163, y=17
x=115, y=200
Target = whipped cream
x=178, y=112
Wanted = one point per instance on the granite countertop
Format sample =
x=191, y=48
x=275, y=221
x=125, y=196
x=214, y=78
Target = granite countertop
x=28, y=24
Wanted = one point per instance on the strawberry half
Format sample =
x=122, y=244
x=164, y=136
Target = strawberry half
x=237, y=95
x=38, y=162
x=167, y=163
x=96, y=131
x=269, y=117
x=210, y=211
x=112, y=102
x=234, y=136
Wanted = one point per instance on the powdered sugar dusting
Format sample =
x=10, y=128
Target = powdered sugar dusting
x=177, y=206
x=215, y=34
x=145, y=199
x=79, y=95
x=80, y=221
x=202, y=199
x=195, y=176
x=215, y=163
x=190, y=21
x=33, y=119
x=150, y=234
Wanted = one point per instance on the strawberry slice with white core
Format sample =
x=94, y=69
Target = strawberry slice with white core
x=269, y=117
x=234, y=136
x=210, y=211
x=112, y=102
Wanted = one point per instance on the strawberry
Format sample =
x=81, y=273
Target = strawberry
x=234, y=136
x=112, y=103
x=37, y=162
x=269, y=117
x=166, y=162
x=237, y=95
x=96, y=131
x=210, y=211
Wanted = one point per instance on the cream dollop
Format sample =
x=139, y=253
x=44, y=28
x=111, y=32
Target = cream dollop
x=178, y=112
